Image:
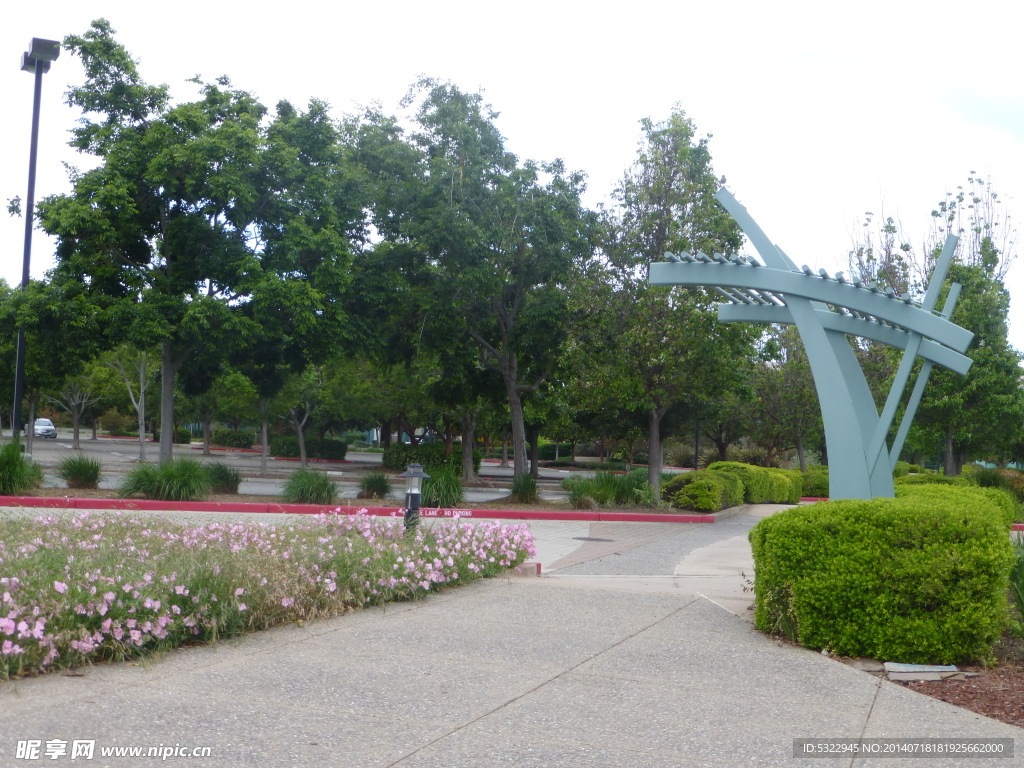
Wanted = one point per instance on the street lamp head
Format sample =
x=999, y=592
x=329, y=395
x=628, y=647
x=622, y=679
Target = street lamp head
x=414, y=477
x=40, y=53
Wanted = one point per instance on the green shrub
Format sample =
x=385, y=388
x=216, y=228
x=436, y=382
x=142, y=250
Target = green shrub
x=287, y=447
x=729, y=487
x=815, y=483
x=929, y=480
x=443, y=490
x=757, y=483
x=1017, y=578
x=921, y=578
x=1015, y=483
x=546, y=452
x=754, y=456
x=80, y=471
x=309, y=486
x=374, y=485
x=432, y=456
x=114, y=422
x=524, y=490
x=990, y=478
x=182, y=436
x=1004, y=500
x=704, y=494
x=182, y=479
x=223, y=479
x=17, y=474
x=901, y=469
x=607, y=488
x=229, y=438
x=353, y=438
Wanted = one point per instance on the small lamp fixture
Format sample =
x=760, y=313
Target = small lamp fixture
x=414, y=477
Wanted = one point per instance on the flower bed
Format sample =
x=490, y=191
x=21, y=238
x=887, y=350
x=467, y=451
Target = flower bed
x=94, y=587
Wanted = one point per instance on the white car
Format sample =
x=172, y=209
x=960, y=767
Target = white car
x=45, y=428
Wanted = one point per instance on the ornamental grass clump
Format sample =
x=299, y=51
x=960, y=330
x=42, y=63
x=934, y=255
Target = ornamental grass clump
x=443, y=490
x=17, y=473
x=524, y=490
x=80, y=471
x=608, y=488
x=110, y=587
x=374, y=485
x=310, y=486
x=223, y=479
x=181, y=479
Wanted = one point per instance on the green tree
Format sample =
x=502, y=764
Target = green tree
x=783, y=411
x=494, y=240
x=658, y=348
x=198, y=209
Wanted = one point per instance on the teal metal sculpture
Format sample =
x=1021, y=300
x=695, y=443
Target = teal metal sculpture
x=825, y=310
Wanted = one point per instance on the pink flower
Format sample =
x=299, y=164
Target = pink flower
x=242, y=607
x=60, y=586
x=287, y=602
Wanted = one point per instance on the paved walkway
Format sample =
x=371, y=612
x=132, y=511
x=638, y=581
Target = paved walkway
x=633, y=649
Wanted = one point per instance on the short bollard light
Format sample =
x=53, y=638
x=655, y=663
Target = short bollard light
x=414, y=477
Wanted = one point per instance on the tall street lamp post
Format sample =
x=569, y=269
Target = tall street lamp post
x=37, y=60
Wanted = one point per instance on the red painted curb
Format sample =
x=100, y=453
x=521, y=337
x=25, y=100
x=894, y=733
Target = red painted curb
x=315, y=509
x=1017, y=527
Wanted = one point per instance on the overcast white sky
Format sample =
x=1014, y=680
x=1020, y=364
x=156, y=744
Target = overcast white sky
x=819, y=112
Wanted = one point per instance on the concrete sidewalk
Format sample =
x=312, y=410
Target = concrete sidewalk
x=623, y=654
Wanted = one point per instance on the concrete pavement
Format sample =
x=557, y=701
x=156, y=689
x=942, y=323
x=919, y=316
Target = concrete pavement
x=632, y=650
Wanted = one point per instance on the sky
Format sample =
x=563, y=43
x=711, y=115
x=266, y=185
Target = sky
x=818, y=112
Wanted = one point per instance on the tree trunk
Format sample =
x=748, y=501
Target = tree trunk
x=30, y=430
x=76, y=419
x=141, y=412
x=572, y=450
x=385, y=433
x=534, y=439
x=947, y=461
x=800, y=453
x=207, y=419
x=168, y=369
x=265, y=436
x=696, y=446
x=504, y=452
x=94, y=437
x=300, y=433
x=468, y=443
x=515, y=408
x=655, y=445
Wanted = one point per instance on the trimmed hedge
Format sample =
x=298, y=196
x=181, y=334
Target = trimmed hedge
x=921, y=578
x=929, y=480
x=432, y=456
x=546, y=452
x=816, y=483
x=181, y=435
x=287, y=447
x=229, y=438
x=762, y=485
x=705, y=490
